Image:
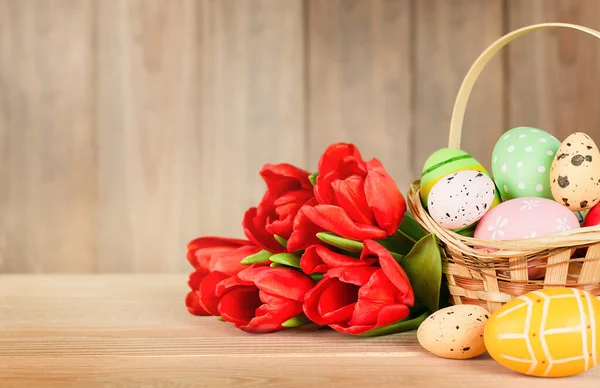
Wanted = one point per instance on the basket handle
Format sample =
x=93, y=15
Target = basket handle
x=460, y=106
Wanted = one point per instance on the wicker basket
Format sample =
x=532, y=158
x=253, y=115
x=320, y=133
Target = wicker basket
x=476, y=276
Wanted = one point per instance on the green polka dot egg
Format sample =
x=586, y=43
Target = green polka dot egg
x=521, y=163
x=444, y=162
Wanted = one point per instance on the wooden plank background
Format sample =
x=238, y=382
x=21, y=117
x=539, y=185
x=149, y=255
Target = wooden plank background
x=128, y=127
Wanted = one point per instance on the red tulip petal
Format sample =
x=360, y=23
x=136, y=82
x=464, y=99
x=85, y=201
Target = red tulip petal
x=191, y=302
x=270, y=318
x=311, y=300
x=337, y=302
x=323, y=190
x=384, y=197
x=202, y=249
x=207, y=293
x=195, y=279
x=354, y=275
x=215, y=242
x=334, y=154
x=271, y=299
x=350, y=195
x=388, y=315
x=393, y=271
x=311, y=261
x=280, y=281
x=229, y=262
x=334, y=260
x=254, y=228
x=239, y=305
x=229, y=284
x=304, y=233
x=352, y=330
x=336, y=220
x=284, y=177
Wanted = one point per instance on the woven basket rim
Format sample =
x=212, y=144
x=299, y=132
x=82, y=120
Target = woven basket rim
x=473, y=247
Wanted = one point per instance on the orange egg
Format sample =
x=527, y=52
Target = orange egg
x=547, y=333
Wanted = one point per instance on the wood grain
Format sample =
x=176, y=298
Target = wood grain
x=133, y=330
x=449, y=36
x=359, y=87
x=48, y=190
x=553, y=74
x=252, y=103
x=148, y=137
x=129, y=127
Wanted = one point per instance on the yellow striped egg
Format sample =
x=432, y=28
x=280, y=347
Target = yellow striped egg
x=546, y=333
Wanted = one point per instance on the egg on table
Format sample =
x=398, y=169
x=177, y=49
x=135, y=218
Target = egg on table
x=547, y=333
x=454, y=332
x=522, y=218
x=575, y=173
x=521, y=163
x=460, y=199
x=446, y=161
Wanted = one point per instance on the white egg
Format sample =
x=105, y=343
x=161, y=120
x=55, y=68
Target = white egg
x=460, y=199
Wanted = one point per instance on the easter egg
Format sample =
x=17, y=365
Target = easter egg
x=443, y=162
x=460, y=199
x=521, y=163
x=575, y=173
x=593, y=217
x=547, y=333
x=454, y=332
x=522, y=218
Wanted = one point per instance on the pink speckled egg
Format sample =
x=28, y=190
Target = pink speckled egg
x=527, y=217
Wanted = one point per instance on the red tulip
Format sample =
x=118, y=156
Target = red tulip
x=320, y=259
x=355, y=300
x=356, y=199
x=261, y=299
x=200, y=250
x=288, y=189
x=336, y=153
x=215, y=259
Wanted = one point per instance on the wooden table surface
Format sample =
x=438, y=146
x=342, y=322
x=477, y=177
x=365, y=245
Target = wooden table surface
x=134, y=331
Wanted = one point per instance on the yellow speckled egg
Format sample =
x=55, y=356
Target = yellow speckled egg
x=575, y=173
x=454, y=332
x=547, y=333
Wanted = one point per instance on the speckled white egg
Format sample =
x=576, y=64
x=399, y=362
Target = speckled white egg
x=455, y=331
x=575, y=173
x=460, y=199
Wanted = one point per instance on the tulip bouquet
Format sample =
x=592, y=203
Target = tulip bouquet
x=335, y=248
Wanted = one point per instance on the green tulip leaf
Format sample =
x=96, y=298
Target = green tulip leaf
x=273, y=264
x=407, y=324
x=341, y=242
x=398, y=243
x=259, y=257
x=317, y=277
x=221, y=319
x=281, y=240
x=298, y=320
x=423, y=266
x=313, y=178
x=398, y=257
x=287, y=259
x=411, y=228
